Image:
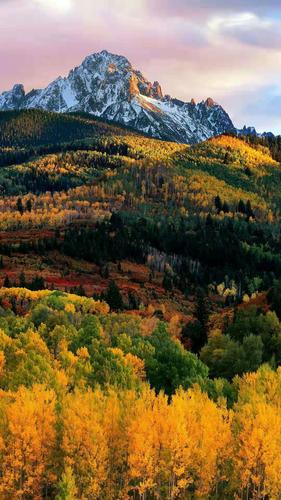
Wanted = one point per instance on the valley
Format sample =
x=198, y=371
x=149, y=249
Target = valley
x=160, y=219
x=140, y=284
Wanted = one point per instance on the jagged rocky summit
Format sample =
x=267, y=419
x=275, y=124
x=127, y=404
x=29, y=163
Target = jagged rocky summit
x=106, y=85
x=252, y=131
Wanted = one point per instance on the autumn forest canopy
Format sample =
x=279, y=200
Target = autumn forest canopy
x=140, y=313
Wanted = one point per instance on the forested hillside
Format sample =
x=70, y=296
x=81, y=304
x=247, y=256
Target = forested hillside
x=140, y=313
x=35, y=128
x=85, y=412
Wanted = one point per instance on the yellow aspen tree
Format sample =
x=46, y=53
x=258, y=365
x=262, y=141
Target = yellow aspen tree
x=119, y=411
x=257, y=451
x=261, y=386
x=2, y=362
x=212, y=449
x=177, y=448
x=197, y=438
x=84, y=443
x=143, y=459
x=29, y=441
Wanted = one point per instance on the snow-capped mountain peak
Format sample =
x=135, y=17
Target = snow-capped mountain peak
x=107, y=85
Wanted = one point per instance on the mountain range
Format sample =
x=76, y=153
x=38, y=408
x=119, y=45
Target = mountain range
x=107, y=86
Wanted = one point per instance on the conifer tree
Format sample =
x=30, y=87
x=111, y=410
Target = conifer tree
x=218, y=204
x=20, y=206
x=113, y=296
x=7, y=282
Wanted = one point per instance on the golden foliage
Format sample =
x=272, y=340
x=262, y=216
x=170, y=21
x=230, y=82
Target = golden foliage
x=113, y=443
x=28, y=437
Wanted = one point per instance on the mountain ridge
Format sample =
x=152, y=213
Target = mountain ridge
x=107, y=86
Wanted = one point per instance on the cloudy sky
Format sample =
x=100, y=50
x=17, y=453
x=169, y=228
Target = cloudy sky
x=226, y=49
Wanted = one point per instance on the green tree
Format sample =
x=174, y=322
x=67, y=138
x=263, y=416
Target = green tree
x=28, y=205
x=168, y=281
x=80, y=291
x=249, y=211
x=218, y=204
x=20, y=206
x=109, y=368
x=90, y=329
x=66, y=488
x=172, y=366
x=37, y=283
x=113, y=296
x=7, y=282
x=22, y=280
x=241, y=207
x=198, y=330
x=226, y=357
x=250, y=321
x=274, y=298
x=225, y=207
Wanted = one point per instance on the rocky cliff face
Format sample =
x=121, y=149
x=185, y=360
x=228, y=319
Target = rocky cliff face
x=106, y=85
x=13, y=99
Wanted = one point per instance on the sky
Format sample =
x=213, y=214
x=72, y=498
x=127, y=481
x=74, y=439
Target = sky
x=229, y=50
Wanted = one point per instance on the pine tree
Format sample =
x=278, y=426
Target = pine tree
x=113, y=296
x=22, y=280
x=7, y=282
x=37, y=283
x=104, y=271
x=209, y=220
x=218, y=204
x=168, y=281
x=133, y=300
x=202, y=312
x=225, y=207
x=20, y=206
x=28, y=205
x=199, y=334
x=80, y=291
x=241, y=207
x=249, y=210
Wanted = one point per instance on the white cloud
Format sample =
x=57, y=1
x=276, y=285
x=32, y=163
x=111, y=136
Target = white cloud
x=247, y=28
x=241, y=21
x=60, y=6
